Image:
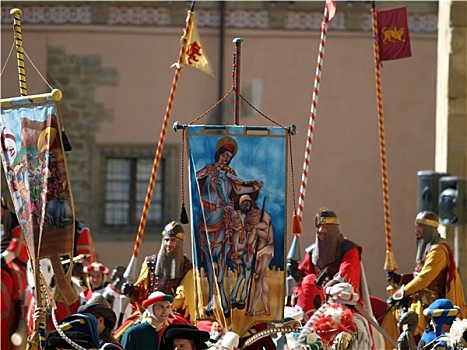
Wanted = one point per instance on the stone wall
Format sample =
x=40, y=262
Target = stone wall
x=77, y=77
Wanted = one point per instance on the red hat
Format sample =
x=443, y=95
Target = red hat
x=95, y=266
x=157, y=297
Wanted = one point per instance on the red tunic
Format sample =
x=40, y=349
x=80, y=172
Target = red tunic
x=349, y=268
x=7, y=310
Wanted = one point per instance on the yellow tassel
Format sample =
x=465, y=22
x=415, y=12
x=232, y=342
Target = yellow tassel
x=296, y=225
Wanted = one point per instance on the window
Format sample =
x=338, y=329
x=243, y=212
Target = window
x=124, y=179
x=126, y=189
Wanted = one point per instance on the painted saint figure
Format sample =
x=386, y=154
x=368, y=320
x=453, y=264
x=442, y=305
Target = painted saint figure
x=260, y=233
x=220, y=227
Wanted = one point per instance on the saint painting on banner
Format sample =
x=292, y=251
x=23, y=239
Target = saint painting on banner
x=238, y=203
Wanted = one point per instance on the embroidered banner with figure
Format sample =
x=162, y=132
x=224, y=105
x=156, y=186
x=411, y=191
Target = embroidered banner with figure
x=238, y=182
x=35, y=167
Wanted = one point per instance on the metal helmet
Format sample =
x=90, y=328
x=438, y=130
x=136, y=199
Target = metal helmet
x=326, y=216
x=427, y=218
x=174, y=229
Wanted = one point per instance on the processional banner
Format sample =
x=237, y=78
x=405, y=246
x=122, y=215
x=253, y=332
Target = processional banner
x=36, y=172
x=238, y=180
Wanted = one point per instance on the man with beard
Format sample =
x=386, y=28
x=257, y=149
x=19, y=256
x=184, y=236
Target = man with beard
x=170, y=271
x=331, y=259
x=164, y=271
x=435, y=276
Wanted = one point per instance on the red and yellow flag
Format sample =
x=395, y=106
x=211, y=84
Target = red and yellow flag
x=393, y=34
x=194, y=54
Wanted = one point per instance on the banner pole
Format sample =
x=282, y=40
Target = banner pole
x=19, y=51
x=238, y=50
x=311, y=125
x=16, y=13
x=390, y=264
x=130, y=272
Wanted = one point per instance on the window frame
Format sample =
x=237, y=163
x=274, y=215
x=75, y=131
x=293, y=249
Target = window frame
x=169, y=163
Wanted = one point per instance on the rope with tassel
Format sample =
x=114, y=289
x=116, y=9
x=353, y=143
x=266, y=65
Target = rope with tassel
x=292, y=130
x=390, y=264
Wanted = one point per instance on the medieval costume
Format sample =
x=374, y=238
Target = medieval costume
x=435, y=276
x=331, y=259
x=168, y=272
x=442, y=313
x=14, y=257
x=148, y=333
x=94, y=284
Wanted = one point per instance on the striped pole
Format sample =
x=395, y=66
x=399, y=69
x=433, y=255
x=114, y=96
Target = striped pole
x=130, y=272
x=311, y=125
x=24, y=92
x=390, y=263
x=238, y=51
x=19, y=51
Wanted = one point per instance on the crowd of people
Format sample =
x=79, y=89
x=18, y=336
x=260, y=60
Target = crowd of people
x=330, y=307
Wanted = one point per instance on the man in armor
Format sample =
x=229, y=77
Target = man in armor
x=163, y=271
x=435, y=276
x=169, y=271
x=331, y=259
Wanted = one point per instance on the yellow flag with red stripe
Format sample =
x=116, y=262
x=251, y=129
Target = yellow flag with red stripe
x=194, y=54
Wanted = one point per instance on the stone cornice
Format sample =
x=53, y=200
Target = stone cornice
x=163, y=14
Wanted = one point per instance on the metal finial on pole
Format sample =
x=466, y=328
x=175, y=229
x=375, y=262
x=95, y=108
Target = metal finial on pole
x=238, y=43
x=19, y=51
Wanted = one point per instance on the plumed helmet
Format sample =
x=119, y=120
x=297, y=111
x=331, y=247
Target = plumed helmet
x=326, y=216
x=427, y=218
x=174, y=229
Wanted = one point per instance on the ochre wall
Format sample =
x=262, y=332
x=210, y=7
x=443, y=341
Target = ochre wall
x=345, y=170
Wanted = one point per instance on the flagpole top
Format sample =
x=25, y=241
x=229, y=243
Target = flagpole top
x=56, y=95
x=177, y=125
x=237, y=40
x=293, y=129
x=16, y=11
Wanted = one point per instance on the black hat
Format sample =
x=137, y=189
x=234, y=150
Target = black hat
x=184, y=331
x=79, y=328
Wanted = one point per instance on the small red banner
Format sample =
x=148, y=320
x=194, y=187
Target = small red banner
x=393, y=34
